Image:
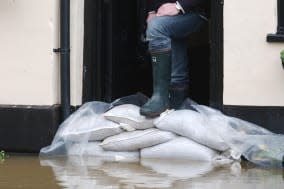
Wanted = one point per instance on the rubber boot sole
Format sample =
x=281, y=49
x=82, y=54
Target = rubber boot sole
x=152, y=114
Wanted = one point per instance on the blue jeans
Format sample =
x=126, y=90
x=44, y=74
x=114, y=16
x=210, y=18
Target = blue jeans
x=169, y=33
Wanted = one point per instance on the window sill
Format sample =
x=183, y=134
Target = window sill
x=275, y=38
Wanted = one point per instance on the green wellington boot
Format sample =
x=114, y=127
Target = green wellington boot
x=159, y=102
x=177, y=96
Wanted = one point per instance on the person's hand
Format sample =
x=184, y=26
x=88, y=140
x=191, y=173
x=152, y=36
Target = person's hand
x=151, y=15
x=168, y=9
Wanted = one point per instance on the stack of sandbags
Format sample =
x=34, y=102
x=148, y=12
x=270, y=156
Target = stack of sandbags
x=170, y=139
x=120, y=133
x=139, y=130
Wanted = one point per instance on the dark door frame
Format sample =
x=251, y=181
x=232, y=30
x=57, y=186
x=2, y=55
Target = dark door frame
x=94, y=52
x=216, y=34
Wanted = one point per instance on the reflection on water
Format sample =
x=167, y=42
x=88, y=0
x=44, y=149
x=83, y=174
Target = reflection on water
x=89, y=172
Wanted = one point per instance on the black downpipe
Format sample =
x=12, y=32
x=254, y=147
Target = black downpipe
x=280, y=27
x=64, y=51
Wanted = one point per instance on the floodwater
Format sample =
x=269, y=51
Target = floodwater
x=31, y=172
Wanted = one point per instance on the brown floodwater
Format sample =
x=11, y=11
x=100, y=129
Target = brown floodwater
x=31, y=172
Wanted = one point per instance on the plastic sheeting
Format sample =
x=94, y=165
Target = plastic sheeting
x=256, y=144
x=78, y=129
x=85, y=130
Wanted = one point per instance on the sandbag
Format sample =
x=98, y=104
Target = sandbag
x=192, y=125
x=129, y=141
x=179, y=148
x=130, y=115
x=94, y=149
x=93, y=128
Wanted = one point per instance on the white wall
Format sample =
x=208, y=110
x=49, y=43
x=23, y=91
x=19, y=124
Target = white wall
x=29, y=68
x=253, y=74
x=29, y=73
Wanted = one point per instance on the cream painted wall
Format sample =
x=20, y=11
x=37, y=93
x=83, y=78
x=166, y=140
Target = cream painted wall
x=253, y=74
x=29, y=73
x=29, y=68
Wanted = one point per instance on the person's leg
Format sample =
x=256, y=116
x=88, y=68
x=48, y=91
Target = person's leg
x=161, y=69
x=160, y=32
x=160, y=50
x=179, y=75
x=178, y=90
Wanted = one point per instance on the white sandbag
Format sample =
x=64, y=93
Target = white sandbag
x=192, y=125
x=135, y=140
x=90, y=128
x=130, y=115
x=180, y=148
x=94, y=149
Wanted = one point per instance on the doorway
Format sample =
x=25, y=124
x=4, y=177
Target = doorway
x=116, y=62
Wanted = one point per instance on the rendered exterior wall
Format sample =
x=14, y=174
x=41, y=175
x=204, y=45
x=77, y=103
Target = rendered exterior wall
x=29, y=68
x=253, y=74
x=29, y=73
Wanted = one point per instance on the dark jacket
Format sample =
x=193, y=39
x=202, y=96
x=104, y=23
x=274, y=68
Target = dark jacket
x=187, y=5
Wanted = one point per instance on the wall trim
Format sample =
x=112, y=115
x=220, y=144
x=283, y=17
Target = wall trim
x=27, y=128
x=269, y=117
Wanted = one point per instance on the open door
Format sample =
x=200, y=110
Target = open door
x=116, y=62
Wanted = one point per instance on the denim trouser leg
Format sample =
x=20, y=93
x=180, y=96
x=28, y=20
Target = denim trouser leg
x=168, y=33
x=179, y=76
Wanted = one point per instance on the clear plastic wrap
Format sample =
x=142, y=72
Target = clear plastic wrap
x=76, y=129
x=257, y=144
x=86, y=129
x=263, y=150
x=86, y=125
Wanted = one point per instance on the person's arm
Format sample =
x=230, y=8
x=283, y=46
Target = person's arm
x=153, y=6
x=180, y=6
x=169, y=9
x=172, y=9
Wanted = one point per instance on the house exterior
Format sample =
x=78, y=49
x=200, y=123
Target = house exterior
x=245, y=74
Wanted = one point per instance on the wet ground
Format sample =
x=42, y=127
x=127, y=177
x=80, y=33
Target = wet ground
x=30, y=172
